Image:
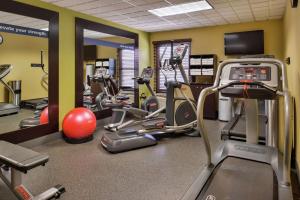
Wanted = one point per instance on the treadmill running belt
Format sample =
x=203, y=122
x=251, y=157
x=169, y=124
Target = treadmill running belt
x=239, y=179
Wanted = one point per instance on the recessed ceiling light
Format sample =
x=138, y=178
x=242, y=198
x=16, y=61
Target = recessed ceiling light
x=181, y=8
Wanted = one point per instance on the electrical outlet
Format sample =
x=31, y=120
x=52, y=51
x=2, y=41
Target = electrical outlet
x=36, y=65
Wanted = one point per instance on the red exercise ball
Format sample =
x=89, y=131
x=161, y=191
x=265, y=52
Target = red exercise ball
x=44, y=116
x=79, y=125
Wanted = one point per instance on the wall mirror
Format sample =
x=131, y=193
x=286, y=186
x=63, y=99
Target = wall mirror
x=106, y=63
x=28, y=71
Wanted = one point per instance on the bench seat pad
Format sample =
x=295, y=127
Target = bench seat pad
x=20, y=158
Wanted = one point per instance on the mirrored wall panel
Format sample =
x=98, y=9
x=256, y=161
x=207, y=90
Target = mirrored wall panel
x=108, y=70
x=23, y=72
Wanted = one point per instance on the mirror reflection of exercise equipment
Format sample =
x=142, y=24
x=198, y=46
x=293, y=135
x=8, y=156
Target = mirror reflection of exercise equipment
x=149, y=105
x=25, y=78
x=109, y=69
x=8, y=108
x=38, y=104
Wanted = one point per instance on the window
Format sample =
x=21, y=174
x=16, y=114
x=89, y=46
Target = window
x=127, y=68
x=160, y=78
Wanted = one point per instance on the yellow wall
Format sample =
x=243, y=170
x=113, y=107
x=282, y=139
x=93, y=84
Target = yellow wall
x=291, y=28
x=21, y=51
x=107, y=52
x=210, y=40
x=67, y=51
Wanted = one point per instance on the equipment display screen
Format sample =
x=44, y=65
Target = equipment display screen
x=250, y=73
x=147, y=73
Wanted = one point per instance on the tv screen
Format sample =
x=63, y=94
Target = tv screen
x=244, y=43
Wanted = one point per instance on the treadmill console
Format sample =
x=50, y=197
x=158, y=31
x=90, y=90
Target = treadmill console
x=147, y=73
x=178, y=54
x=145, y=76
x=180, y=51
x=250, y=73
x=247, y=80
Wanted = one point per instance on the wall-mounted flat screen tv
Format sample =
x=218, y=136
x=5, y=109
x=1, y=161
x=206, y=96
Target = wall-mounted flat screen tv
x=244, y=43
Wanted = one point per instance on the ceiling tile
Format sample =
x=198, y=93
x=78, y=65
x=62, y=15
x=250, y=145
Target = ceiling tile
x=134, y=13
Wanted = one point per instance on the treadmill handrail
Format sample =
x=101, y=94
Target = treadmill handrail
x=200, y=119
x=288, y=140
x=234, y=83
x=285, y=93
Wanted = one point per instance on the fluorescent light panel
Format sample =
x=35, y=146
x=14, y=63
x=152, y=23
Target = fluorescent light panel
x=181, y=8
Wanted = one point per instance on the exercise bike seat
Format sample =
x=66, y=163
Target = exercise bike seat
x=20, y=158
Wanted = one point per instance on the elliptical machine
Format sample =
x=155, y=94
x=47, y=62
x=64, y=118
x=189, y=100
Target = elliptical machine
x=149, y=105
x=147, y=112
x=180, y=104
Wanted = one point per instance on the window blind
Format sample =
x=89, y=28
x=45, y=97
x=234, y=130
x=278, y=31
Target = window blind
x=127, y=68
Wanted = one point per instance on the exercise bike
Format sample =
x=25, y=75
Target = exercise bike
x=149, y=105
x=180, y=114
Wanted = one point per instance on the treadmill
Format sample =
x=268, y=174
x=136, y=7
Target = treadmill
x=36, y=104
x=7, y=108
x=246, y=170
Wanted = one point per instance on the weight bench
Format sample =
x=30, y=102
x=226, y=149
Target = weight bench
x=15, y=160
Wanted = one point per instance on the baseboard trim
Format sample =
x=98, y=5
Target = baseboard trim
x=54, y=136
